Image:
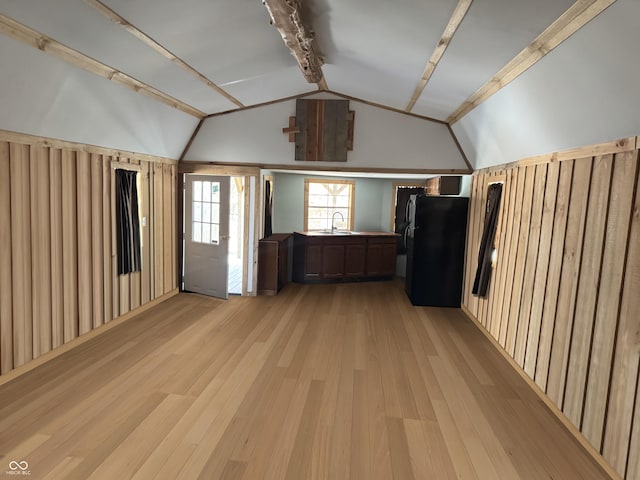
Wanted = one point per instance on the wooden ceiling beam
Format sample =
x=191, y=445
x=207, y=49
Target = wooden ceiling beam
x=20, y=32
x=146, y=39
x=577, y=16
x=285, y=16
x=456, y=18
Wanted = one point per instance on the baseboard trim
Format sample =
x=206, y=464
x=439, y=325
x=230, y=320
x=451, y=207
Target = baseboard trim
x=50, y=355
x=566, y=423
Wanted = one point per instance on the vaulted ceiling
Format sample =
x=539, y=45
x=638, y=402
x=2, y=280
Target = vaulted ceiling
x=372, y=49
x=437, y=59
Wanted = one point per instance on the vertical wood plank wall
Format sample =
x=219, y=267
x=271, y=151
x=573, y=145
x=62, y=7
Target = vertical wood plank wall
x=57, y=250
x=564, y=298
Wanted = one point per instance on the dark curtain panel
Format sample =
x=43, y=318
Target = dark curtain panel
x=401, y=221
x=127, y=222
x=268, y=210
x=483, y=273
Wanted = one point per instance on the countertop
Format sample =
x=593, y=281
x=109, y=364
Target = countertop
x=341, y=233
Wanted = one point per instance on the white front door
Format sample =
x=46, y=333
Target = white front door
x=206, y=236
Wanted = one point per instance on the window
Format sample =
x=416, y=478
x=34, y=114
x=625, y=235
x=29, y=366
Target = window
x=206, y=212
x=325, y=198
x=127, y=217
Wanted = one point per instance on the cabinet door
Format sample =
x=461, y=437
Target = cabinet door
x=388, y=259
x=355, y=260
x=381, y=259
x=313, y=262
x=333, y=261
x=267, y=267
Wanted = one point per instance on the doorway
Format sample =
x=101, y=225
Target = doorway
x=206, y=234
x=236, y=236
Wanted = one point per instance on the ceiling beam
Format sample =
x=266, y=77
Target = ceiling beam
x=285, y=16
x=146, y=39
x=20, y=32
x=578, y=15
x=456, y=18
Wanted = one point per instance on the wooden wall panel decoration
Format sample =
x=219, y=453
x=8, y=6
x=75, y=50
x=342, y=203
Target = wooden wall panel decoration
x=21, y=259
x=6, y=295
x=520, y=258
x=97, y=238
x=146, y=255
x=158, y=258
x=565, y=305
x=85, y=287
x=57, y=257
x=41, y=250
x=547, y=325
x=57, y=277
x=513, y=249
x=531, y=260
x=69, y=245
x=587, y=294
x=611, y=278
x=106, y=239
x=502, y=260
x=542, y=269
x=323, y=130
x=168, y=236
x=565, y=311
x=624, y=376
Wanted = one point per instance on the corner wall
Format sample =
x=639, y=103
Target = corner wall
x=564, y=297
x=383, y=140
x=58, y=275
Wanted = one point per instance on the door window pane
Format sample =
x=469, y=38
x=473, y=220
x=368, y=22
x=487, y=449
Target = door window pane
x=197, y=191
x=197, y=211
x=206, y=212
x=197, y=232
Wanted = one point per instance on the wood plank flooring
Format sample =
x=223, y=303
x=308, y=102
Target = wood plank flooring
x=320, y=382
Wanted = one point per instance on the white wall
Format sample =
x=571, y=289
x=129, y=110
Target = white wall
x=382, y=139
x=371, y=207
x=585, y=92
x=45, y=96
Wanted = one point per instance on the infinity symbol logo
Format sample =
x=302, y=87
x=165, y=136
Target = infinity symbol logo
x=23, y=465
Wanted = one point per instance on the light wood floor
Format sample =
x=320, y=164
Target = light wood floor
x=331, y=382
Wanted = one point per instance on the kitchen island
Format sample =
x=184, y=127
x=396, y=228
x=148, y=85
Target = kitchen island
x=343, y=256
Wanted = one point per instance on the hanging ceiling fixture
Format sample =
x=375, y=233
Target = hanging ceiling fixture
x=285, y=15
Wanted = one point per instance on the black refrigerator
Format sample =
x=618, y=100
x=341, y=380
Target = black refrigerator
x=435, y=242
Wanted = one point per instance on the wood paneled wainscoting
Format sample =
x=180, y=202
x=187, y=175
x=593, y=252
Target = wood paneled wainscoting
x=564, y=299
x=58, y=276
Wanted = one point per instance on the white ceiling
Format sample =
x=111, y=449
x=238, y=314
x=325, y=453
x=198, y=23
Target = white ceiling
x=374, y=50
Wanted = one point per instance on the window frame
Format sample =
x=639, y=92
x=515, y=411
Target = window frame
x=352, y=195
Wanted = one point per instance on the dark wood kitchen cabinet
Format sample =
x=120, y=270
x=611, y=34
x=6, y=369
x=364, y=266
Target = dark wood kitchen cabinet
x=381, y=258
x=326, y=258
x=273, y=263
x=355, y=261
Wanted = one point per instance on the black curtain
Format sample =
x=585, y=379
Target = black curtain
x=401, y=221
x=483, y=273
x=268, y=210
x=127, y=222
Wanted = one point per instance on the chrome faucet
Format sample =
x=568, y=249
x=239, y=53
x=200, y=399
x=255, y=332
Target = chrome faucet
x=333, y=219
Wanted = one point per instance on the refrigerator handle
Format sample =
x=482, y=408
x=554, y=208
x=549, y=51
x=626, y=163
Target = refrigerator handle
x=406, y=211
